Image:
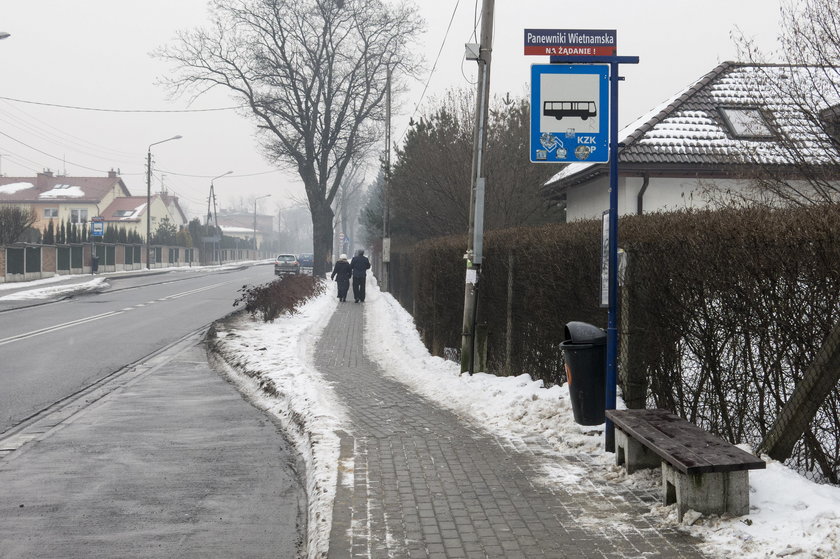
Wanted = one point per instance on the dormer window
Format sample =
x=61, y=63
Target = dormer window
x=747, y=123
x=830, y=119
x=123, y=213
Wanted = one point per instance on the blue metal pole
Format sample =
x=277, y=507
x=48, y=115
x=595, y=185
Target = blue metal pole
x=612, y=317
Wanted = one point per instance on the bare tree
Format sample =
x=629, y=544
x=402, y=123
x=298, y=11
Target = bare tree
x=312, y=75
x=14, y=221
x=803, y=95
x=348, y=204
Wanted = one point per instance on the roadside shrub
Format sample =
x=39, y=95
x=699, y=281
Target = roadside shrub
x=281, y=296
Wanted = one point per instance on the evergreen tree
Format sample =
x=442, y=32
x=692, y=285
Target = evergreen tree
x=49, y=234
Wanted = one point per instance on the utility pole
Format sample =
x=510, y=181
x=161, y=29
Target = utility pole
x=475, y=238
x=386, y=193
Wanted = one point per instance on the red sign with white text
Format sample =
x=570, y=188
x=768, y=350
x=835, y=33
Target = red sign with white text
x=570, y=42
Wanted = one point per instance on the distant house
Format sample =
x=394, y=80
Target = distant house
x=130, y=213
x=707, y=139
x=77, y=199
x=59, y=198
x=240, y=225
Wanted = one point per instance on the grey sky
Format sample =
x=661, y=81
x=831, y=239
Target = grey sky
x=95, y=53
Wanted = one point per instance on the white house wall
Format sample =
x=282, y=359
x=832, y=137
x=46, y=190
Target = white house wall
x=663, y=194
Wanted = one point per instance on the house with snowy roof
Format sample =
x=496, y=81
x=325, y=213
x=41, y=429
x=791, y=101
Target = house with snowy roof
x=129, y=213
x=60, y=198
x=708, y=143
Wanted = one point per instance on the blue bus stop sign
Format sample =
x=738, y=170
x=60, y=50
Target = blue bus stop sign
x=570, y=113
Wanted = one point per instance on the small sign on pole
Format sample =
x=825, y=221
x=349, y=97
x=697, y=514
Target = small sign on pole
x=570, y=42
x=97, y=227
x=605, y=259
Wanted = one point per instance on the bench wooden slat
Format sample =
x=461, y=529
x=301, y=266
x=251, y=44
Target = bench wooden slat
x=685, y=446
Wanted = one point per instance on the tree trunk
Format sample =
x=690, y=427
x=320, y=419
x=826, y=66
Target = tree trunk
x=322, y=238
x=810, y=393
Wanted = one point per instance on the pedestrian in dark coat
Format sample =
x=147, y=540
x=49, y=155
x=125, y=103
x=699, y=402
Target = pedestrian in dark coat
x=341, y=273
x=360, y=264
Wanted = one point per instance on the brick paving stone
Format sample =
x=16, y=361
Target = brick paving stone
x=429, y=484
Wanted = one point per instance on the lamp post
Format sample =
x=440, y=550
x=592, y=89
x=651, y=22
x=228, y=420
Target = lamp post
x=149, y=198
x=218, y=231
x=255, y=218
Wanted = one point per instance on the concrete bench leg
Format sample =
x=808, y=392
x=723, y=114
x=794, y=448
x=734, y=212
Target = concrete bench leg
x=633, y=455
x=711, y=493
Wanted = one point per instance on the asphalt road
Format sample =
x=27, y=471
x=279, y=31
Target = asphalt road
x=49, y=352
x=159, y=459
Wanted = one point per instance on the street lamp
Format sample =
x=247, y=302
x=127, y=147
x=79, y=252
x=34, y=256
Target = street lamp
x=149, y=198
x=4, y=35
x=255, y=218
x=216, y=221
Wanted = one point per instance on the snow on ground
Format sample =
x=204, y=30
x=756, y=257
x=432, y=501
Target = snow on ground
x=789, y=517
x=274, y=364
x=76, y=284
x=49, y=292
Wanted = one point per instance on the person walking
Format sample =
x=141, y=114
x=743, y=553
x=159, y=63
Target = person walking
x=341, y=274
x=360, y=264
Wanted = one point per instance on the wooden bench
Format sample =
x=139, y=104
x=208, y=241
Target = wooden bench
x=700, y=471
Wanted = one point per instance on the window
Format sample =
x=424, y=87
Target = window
x=123, y=213
x=50, y=212
x=747, y=122
x=78, y=216
x=830, y=119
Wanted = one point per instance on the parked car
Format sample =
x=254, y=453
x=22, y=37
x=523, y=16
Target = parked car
x=286, y=264
x=307, y=260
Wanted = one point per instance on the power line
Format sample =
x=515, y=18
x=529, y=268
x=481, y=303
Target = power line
x=232, y=176
x=434, y=66
x=98, y=109
x=49, y=154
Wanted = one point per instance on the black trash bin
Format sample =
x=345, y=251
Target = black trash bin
x=585, y=352
x=94, y=263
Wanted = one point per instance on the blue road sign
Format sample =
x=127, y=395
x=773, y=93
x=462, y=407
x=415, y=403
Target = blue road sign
x=97, y=228
x=570, y=113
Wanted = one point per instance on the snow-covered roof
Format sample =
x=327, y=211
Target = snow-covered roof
x=63, y=191
x=49, y=188
x=690, y=130
x=234, y=229
x=15, y=187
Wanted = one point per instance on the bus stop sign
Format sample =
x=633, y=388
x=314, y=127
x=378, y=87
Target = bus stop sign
x=570, y=113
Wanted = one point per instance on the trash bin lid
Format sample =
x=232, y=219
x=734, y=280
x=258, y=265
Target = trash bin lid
x=584, y=333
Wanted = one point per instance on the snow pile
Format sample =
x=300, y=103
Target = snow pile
x=96, y=284
x=272, y=364
x=515, y=405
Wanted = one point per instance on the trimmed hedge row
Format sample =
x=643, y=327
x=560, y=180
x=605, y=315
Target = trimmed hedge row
x=722, y=311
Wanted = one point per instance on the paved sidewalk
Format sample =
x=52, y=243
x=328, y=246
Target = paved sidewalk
x=427, y=484
x=166, y=460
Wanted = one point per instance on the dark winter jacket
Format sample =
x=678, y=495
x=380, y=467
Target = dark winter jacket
x=360, y=264
x=342, y=271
